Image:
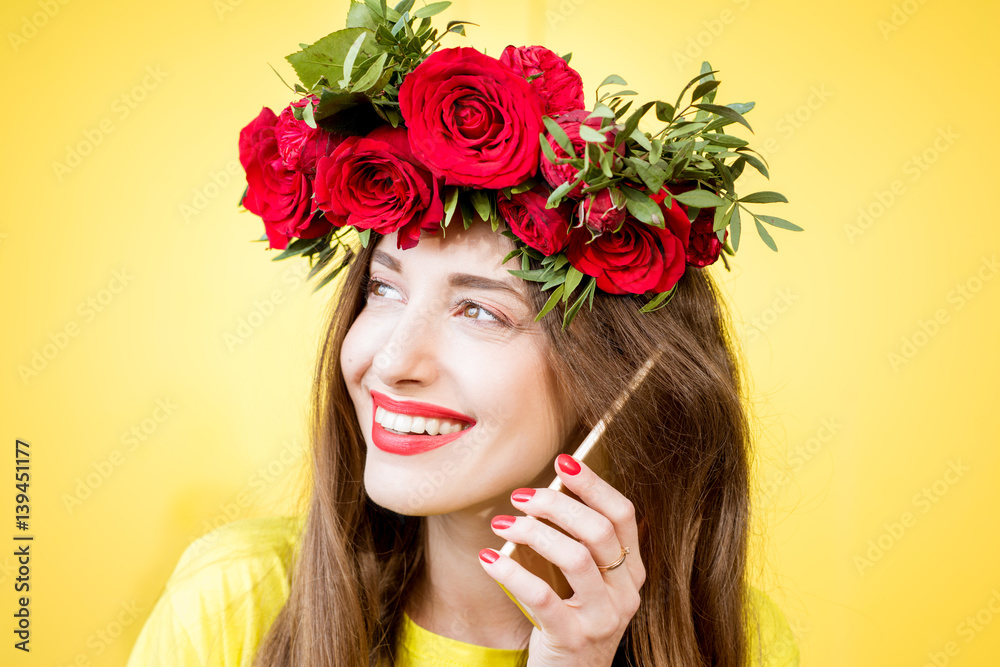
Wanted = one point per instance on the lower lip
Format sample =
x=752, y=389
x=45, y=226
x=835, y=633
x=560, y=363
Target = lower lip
x=408, y=444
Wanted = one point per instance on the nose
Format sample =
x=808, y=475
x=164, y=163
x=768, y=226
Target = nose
x=409, y=355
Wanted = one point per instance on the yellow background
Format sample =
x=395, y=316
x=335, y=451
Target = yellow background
x=848, y=95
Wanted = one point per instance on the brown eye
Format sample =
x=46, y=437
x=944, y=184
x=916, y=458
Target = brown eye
x=471, y=310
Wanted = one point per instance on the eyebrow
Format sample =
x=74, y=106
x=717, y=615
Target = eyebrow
x=467, y=280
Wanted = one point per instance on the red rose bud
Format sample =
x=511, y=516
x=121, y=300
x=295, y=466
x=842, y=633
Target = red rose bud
x=705, y=246
x=675, y=217
x=472, y=120
x=559, y=85
x=280, y=196
x=557, y=174
x=544, y=229
x=633, y=260
x=602, y=211
x=299, y=145
x=375, y=182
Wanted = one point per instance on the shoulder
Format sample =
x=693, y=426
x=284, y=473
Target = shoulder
x=223, y=595
x=771, y=642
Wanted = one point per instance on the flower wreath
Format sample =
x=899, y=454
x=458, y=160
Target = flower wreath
x=393, y=134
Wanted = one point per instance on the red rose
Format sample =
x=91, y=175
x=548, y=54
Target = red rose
x=557, y=174
x=279, y=195
x=635, y=259
x=559, y=85
x=602, y=211
x=676, y=217
x=375, y=182
x=300, y=145
x=473, y=121
x=705, y=245
x=544, y=229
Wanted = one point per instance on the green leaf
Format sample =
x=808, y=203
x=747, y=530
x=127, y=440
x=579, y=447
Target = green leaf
x=726, y=112
x=551, y=303
x=468, y=213
x=684, y=129
x=722, y=217
x=704, y=88
x=613, y=78
x=325, y=58
x=359, y=16
x=299, y=247
x=560, y=192
x=700, y=199
x=364, y=234
x=664, y=112
x=431, y=9
x=765, y=235
x=573, y=278
x=640, y=138
x=559, y=135
x=450, y=202
x=641, y=206
x=307, y=115
x=352, y=54
x=481, y=202
x=589, y=134
x=656, y=151
x=726, y=140
x=632, y=123
x=371, y=76
x=572, y=310
x=602, y=111
x=764, y=197
x=734, y=228
x=659, y=301
x=755, y=163
x=779, y=222
x=534, y=275
x=404, y=6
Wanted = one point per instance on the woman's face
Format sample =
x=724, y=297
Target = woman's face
x=446, y=349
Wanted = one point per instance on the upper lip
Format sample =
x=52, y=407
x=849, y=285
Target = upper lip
x=418, y=409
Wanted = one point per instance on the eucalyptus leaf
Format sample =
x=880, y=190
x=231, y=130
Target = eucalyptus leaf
x=551, y=303
x=371, y=76
x=704, y=88
x=765, y=235
x=589, y=134
x=734, y=228
x=559, y=135
x=352, y=54
x=613, y=78
x=764, y=197
x=779, y=222
x=726, y=112
x=664, y=112
x=700, y=199
x=481, y=202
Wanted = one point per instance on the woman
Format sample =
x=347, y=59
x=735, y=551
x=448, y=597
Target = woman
x=449, y=392
x=389, y=533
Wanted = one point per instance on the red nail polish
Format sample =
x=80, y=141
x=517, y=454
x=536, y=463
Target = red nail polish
x=502, y=521
x=568, y=464
x=488, y=555
x=522, y=495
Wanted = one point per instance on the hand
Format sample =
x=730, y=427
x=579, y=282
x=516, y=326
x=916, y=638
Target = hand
x=585, y=629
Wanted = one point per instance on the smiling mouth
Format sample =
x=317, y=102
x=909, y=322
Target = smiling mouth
x=403, y=424
x=413, y=427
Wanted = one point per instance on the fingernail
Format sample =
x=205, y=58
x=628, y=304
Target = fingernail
x=522, y=495
x=568, y=464
x=488, y=555
x=502, y=521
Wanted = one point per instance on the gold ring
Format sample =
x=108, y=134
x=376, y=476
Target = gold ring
x=605, y=568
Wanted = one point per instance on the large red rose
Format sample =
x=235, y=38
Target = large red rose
x=375, y=182
x=635, y=259
x=279, y=195
x=301, y=146
x=705, y=246
x=559, y=85
x=557, y=174
x=544, y=229
x=473, y=121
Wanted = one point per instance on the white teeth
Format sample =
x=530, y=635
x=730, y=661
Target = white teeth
x=412, y=424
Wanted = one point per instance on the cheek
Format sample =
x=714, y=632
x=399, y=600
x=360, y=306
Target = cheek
x=357, y=352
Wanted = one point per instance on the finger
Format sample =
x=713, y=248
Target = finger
x=588, y=525
x=605, y=499
x=574, y=559
x=532, y=592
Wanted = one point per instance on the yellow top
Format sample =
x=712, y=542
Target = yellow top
x=230, y=584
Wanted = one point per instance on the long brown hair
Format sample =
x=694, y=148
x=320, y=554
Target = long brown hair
x=678, y=449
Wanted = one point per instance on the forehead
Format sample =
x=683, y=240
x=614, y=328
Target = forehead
x=477, y=249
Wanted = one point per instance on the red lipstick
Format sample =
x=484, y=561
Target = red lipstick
x=412, y=443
